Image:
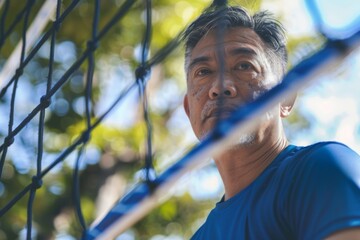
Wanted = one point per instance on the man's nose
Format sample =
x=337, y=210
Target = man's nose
x=222, y=87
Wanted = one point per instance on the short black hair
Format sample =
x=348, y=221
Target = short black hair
x=262, y=23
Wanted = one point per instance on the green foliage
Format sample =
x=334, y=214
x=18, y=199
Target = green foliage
x=175, y=217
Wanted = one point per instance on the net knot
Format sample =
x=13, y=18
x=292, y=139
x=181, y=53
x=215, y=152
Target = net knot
x=340, y=45
x=57, y=25
x=44, y=102
x=19, y=72
x=141, y=72
x=85, y=136
x=3, y=91
x=9, y=140
x=92, y=45
x=36, y=182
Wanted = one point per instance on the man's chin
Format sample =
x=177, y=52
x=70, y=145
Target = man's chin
x=245, y=140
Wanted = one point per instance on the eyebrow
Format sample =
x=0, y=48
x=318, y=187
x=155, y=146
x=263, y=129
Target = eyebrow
x=243, y=50
x=233, y=52
x=198, y=60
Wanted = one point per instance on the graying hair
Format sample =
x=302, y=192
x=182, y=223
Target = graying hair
x=262, y=23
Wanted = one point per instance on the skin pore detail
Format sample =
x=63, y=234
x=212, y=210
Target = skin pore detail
x=198, y=92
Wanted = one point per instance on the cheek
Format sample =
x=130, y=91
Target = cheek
x=195, y=122
x=260, y=85
x=249, y=91
x=194, y=108
x=198, y=92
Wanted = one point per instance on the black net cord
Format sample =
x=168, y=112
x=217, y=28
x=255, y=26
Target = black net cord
x=84, y=137
x=12, y=108
x=76, y=189
x=10, y=138
x=19, y=72
x=157, y=58
x=220, y=51
x=37, y=180
x=6, y=33
x=142, y=74
x=51, y=90
x=145, y=66
x=69, y=72
x=43, y=101
x=55, y=26
x=92, y=44
x=2, y=22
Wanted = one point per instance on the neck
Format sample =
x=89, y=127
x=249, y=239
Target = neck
x=241, y=165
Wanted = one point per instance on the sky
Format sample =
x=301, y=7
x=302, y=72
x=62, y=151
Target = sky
x=332, y=103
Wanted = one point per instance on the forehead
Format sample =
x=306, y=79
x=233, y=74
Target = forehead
x=233, y=38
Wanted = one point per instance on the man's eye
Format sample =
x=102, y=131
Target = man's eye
x=244, y=66
x=203, y=72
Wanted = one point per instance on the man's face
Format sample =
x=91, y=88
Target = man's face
x=246, y=75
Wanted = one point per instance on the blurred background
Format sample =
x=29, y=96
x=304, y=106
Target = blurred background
x=327, y=110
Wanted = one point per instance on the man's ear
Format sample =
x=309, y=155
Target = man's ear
x=287, y=105
x=186, y=105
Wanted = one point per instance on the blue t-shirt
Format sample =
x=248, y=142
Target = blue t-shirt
x=305, y=193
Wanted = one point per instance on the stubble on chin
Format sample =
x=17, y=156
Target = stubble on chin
x=244, y=140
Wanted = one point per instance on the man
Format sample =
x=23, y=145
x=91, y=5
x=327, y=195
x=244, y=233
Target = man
x=273, y=190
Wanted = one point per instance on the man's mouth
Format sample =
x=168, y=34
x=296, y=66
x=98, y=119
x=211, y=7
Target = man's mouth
x=216, y=110
x=221, y=113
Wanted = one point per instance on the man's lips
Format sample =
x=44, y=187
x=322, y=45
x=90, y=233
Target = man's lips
x=217, y=112
x=220, y=112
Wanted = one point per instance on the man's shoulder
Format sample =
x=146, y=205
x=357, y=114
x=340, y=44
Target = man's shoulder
x=318, y=164
x=323, y=153
x=328, y=147
x=323, y=187
x=322, y=162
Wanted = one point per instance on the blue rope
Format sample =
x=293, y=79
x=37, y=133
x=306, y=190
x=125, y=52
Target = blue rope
x=292, y=80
